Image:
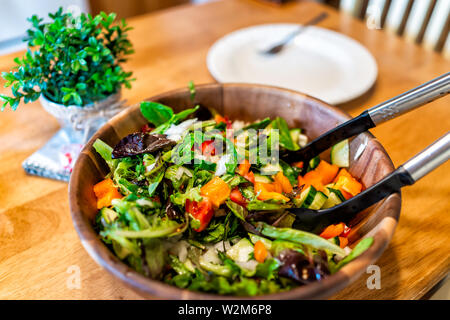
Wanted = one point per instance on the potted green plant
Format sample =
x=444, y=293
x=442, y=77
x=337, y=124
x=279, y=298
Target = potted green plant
x=73, y=65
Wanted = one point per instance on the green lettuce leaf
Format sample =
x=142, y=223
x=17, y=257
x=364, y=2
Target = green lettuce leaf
x=164, y=228
x=268, y=269
x=177, y=265
x=301, y=237
x=192, y=194
x=178, y=117
x=238, y=211
x=155, y=257
x=105, y=151
x=156, y=113
x=179, y=176
x=362, y=246
x=269, y=205
x=258, y=125
x=280, y=245
x=284, y=134
x=289, y=172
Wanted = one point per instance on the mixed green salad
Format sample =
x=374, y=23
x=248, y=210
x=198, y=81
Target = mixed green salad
x=199, y=202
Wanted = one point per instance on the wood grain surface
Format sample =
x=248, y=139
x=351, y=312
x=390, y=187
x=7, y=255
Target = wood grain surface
x=40, y=248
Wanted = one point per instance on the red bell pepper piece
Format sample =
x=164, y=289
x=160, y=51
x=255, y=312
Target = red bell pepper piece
x=146, y=128
x=236, y=196
x=208, y=148
x=201, y=211
x=346, y=231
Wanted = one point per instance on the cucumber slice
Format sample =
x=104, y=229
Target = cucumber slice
x=318, y=201
x=109, y=215
x=326, y=190
x=330, y=185
x=338, y=194
x=306, y=197
x=332, y=200
x=261, y=178
x=241, y=250
x=313, y=163
x=340, y=154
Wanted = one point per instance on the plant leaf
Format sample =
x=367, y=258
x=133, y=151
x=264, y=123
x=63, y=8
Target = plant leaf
x=301, y=237
x=284, y=134
x=362, y=246
x=156, y=113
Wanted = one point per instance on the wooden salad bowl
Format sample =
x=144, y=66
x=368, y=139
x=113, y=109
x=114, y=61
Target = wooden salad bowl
x=369, y=163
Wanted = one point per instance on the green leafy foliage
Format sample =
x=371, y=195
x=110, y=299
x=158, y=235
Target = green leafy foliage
x=105, y=151
x=284, y=134
x=258, y=125
x=156, y=230
x=258, y=205
x=240, y=286
x=192, y=90
x=163, y=116
x=71, y=60
x=301, y=237
x=268, y=269
x=156, y=113
x=290, y=172
x=220, y=229
x=362, y=246
x=239, y=211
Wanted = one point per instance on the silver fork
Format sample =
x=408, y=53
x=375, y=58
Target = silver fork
x=278, y=47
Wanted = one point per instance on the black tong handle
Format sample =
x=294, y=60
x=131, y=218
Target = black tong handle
x=382, y=112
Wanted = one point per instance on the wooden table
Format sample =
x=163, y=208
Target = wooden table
x=39, y=245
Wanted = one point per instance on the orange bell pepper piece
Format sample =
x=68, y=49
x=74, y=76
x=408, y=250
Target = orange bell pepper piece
x=277, y=187
x=342, y=172
x=333, y=230
x=266, y=191
x=260, y=251
x=260, y=186
x=106, y=191
x=250, y=177
x=103, y=187
x=327, y=171
x=216, y=190
x=349, y=185
x=284, y=182
x=345, y=194
x=298, y=164
x=302, y=182
x=244, y=168
x=314, y=179
x=218, y=118
x=270, y=195
x=343, y=242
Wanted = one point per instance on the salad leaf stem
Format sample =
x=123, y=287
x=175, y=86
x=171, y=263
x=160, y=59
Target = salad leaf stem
x=301, y=237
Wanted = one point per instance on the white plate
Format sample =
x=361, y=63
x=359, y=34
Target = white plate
x=319, y=62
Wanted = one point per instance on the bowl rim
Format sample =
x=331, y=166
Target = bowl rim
x=382, y=233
